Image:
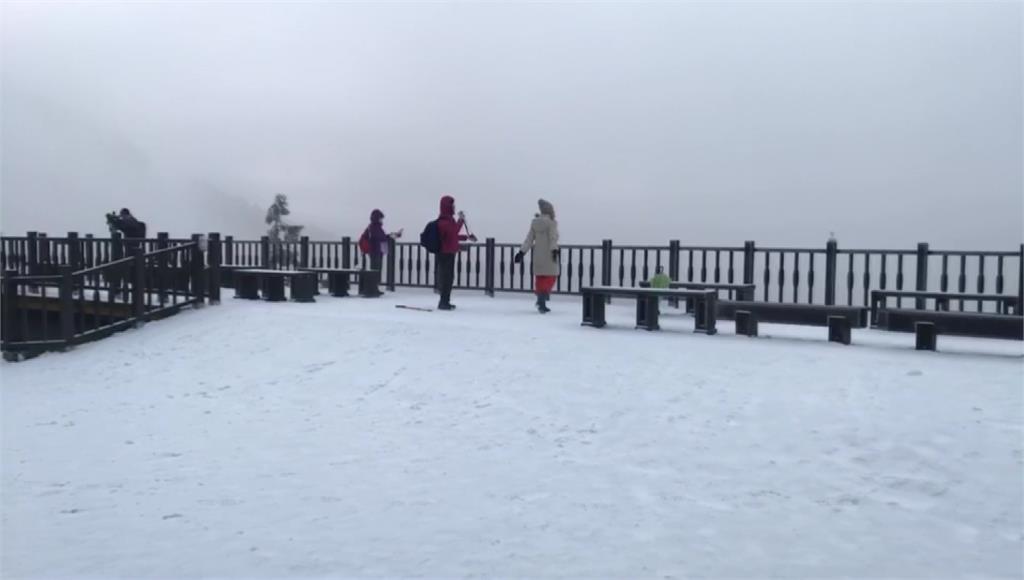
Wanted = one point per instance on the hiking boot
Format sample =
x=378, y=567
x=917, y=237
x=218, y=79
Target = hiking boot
x=542, y=304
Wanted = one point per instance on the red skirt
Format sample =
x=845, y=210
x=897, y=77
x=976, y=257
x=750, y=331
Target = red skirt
x=544, y=284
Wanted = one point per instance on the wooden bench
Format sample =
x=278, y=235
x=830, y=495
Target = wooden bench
x=840, y=320
x=250, y=284
x=734, y=291
x=1005, y=304
x=928, y=324
x=338, y=281
x=647, y=310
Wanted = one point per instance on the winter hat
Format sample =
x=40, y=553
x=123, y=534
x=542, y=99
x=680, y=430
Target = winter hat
x=546, y=208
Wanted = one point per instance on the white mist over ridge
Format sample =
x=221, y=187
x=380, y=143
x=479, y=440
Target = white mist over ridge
x=712, y=124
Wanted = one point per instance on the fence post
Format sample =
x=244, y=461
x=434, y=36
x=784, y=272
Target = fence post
x=831, y=256
x=74, y=251
x=304, y=252
x=198, y=267
x=749, y=250
x=45, y=267
x=1020, y=281
x=673, y=260
x=213, y=259
x=922, y=273
x=392, y=247
x=67, y=305
x=606, y=265
x=160, y=268
x=10, y=317
x=229, y=250
x=265, y=252
x=117, y=246
x=489, y=255
x=139, y=286
x=346, y=252
x=89, y=252
x=32, y=258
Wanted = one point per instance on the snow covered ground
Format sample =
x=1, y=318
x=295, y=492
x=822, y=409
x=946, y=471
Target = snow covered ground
x=350, y=438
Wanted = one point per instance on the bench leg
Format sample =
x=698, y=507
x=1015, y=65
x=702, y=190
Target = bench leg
x=248, y=287
x=647, y=311
x=706, y=314
x=368, y=284
x=303, y=287
x=839, y=329
x=925, y=336
x=746, y=324
x=593, y=310
x=273, y=288
x=337, y=284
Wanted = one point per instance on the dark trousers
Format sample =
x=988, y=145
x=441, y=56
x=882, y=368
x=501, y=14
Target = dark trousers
x=376, y=261
x=445, y=276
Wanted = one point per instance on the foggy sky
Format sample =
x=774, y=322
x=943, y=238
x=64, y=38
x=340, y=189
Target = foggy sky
x=888, y=123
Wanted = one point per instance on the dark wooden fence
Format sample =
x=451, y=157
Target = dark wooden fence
x=63, y=292
x=824, y=275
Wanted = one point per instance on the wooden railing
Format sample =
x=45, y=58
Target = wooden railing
x=823, y=275
x=55, y=311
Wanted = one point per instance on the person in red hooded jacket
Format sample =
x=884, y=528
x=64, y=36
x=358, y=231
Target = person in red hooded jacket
x=451, y=234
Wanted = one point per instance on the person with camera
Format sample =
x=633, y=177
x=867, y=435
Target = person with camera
x=450, y=232
x=133, y=230
x=543, y=240
x=127, y=224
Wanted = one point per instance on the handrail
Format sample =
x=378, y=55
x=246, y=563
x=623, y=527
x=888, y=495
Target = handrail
x=37, y=278
x=170, y=250
x=102, y=267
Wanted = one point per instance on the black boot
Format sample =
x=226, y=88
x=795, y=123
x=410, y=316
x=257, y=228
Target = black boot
x=542, y=303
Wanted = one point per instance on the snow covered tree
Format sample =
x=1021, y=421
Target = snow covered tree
x=280, y=232
x=275, y=217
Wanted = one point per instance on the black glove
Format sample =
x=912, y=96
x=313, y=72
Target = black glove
x=554, y=255
x=519, y=258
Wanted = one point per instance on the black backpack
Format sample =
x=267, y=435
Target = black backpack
x=431, y=238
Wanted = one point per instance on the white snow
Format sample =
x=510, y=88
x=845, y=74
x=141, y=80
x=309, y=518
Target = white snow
x=349, y=438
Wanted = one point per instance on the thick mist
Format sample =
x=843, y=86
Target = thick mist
x=887, y=123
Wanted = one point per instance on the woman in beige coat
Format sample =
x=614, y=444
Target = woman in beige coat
x=543, y=240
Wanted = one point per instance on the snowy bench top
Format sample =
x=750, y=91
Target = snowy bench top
x=646, y=291
x=270, y=272
x=337, y=270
